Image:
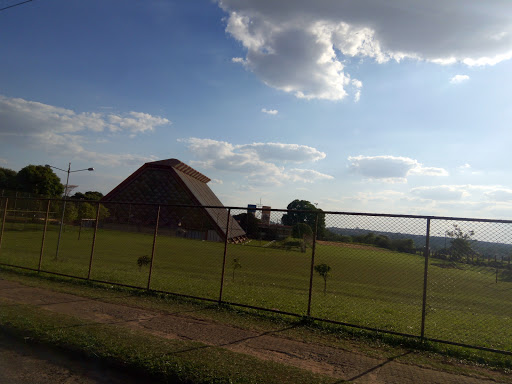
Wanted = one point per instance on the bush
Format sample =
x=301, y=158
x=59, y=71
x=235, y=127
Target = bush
x=143, y=260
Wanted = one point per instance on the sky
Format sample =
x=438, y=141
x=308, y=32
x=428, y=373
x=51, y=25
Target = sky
x=399, y=107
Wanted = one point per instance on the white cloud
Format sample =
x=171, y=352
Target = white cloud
x=307, y=175
x=304, y=47
x=500, y=195
x=457, y=79
x=61, y=131
x=261, y=163
x=442, y=192
x=391, y=168
x=283, y=152
x=21, y=116
x=270, y=111
x=358, y=85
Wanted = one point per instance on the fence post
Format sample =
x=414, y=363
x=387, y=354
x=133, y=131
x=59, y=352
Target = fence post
x=44, y=236
x=94, y=240
x=225, y=254
x=3, y=221
x=425, y=280
x=153, y=249
x=312, y=266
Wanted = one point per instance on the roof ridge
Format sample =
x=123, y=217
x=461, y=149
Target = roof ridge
x=182, y=167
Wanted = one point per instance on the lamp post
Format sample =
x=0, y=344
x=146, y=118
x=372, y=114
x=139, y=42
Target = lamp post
x=65, y=197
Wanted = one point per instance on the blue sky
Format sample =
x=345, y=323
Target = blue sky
x=356, y=106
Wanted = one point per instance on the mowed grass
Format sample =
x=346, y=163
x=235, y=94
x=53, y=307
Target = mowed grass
x=367, y=286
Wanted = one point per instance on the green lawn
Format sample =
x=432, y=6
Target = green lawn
x=367, y=286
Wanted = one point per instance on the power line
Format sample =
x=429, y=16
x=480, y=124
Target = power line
x=15, y=5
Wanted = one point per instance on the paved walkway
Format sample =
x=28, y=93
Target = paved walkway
x=335, y=362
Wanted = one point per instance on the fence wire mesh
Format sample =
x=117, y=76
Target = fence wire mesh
x=269, y=269
x=470, y=280
x=445, y=279
x=189, y=252
x=369, y=272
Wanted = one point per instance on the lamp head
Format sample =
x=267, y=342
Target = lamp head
x=90, y=169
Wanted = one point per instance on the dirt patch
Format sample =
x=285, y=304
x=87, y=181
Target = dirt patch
x=353, y=246
x=22, y=363
x=269, y=345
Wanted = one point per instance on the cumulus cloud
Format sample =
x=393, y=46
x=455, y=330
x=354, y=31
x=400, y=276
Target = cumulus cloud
x=63, y=131
x=457, y=79
x=391, y=168
x=304, y=47
x=261, y=163
x=21, y=116
x=270, y=111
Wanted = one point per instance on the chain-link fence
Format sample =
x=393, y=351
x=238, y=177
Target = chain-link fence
x=435, y=278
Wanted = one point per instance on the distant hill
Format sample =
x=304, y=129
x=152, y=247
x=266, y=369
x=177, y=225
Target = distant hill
x=436, y=242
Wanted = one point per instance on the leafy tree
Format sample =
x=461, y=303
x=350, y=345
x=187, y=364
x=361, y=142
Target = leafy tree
x=308, y=217
x=70, y=214
x=382, y=241
x=300, y=230
x=236, y=265
x=460, y=243
x=332, y=236
x=89, y=195
x=249, y=223
x=323, y=270
x=39, y=180
x=403, y=245
x=88, y=211
x=7, y=178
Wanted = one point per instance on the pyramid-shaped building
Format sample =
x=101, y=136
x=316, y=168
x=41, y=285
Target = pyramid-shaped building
x=186, y=202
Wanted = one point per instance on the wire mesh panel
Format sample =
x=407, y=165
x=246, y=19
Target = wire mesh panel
x=189, y=251
x=270, y=268
x=23, y=231
x=64, y=251
x=123, y=241
x=369, y=272
x=470, y=283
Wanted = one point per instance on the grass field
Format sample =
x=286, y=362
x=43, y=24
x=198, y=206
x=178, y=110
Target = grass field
x=368, y=286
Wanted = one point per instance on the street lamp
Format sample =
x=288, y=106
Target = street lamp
x=65, y=196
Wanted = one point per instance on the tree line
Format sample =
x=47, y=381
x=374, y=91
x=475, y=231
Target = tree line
x=38, y=180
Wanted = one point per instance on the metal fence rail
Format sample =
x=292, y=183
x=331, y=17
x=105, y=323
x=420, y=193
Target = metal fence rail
x=433, y=278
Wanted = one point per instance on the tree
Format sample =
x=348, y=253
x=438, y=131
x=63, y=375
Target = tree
x=403, y=245
x=249, y=223
x=323, y=270
x=300, y=230
x=236, y=265
x=142, y=261
x=88, y=211
x=460, y=243
x=308, y=217
x=89, y=195
x=7, y=178
x=39, y=180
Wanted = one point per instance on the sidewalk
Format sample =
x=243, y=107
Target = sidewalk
x=269, y=345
